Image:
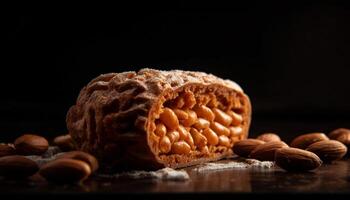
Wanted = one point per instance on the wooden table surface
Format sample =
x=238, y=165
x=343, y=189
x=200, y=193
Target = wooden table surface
x=328, y=179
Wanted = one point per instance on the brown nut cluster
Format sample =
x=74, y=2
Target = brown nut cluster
x=69, y=167
x=318, y=149
x=153, y=119
x=287, y=158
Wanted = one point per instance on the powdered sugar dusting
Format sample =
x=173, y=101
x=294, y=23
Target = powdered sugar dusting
x=162, y=174
x=49, y=155
x=246, y=163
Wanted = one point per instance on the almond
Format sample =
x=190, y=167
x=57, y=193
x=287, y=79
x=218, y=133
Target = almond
x=244, y=147
x=269, y=137
x=342, y=135
x=65, y=170
x=293, y=159
x=83, y=156
x=64, y=142
x=7, y=149
x=266, y=152
x=17, y=166
x=29, y=144
x=344, y=138
x=303, y=141
x=328, y=150
x=337, y=132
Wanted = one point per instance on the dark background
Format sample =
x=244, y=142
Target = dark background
x=292, y=59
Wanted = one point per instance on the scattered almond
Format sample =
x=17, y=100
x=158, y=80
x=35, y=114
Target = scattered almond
x=293, y=159
x=29, y=144
x=7, y=149
x=65, y=170
x=328, y=150
x=337, y=132
x=344, y=138
x=266, y=151
x=17, y=166
x=269, y=137
x=83, y=156
x=64, y=142
x=342, y=135
x=244, y=147
x=303, y=141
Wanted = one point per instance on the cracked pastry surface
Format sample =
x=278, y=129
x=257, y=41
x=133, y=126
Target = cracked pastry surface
x=152, y=119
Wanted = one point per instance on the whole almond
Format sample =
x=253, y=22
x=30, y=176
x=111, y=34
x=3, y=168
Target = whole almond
x=29, y=144
x=328, y=150
x=65, y=170
x=293, y=159
x=83, y=156
x=17, y=167
x=303, y=141
x=342, y=135
x=337, y=132
x=244, y=147
x=344, y=138
x=64, y=142
x=269, y=137
x=7, y=149
x=266, y=152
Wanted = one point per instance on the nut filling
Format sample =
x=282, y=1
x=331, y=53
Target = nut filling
x=198, y=122
x=152, y=119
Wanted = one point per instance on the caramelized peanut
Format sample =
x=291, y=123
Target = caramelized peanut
x=190, y=100
x=192, y=118
x=236, y=118
x=181, y=115
x=186, y=136
x=235, y=130
x=160, y=130
x=224, y=141
x=205, y=150
x=220, y=129
x=173, y=136
x=201, y=124
x=165, y=144
x=198, y=138
x=183, y=132
x=222, y=117
x=179, y=102
x=213, y=103
x=204, y=112
x=211, y=136
x=169, y=118
x=181, y=147
x=190, y=141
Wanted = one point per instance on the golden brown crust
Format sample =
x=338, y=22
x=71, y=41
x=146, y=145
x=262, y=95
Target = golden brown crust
x=112, y=115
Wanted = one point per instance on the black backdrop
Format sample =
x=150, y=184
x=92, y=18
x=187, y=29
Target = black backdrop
x=292, y=58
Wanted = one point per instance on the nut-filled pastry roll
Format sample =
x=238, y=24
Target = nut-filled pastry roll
x=152, y=119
